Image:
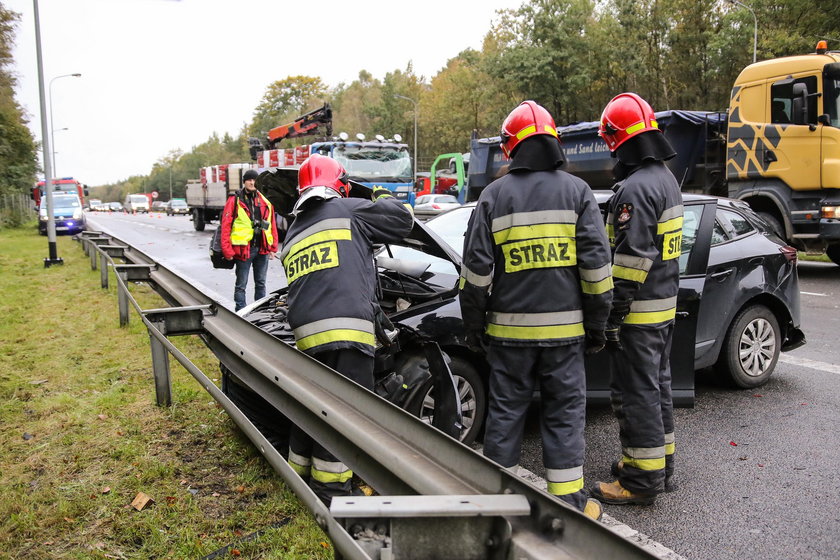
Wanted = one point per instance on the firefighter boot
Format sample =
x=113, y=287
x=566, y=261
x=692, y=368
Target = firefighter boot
x=615, y=493
x=670, y=485
x=593, y=509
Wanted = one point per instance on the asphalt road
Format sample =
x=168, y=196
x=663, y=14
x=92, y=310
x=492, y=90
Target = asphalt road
x=755, y=469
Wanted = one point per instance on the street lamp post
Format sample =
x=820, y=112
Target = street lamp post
x=755, y=26
x=415, y=130
x=52, y=128
x=52, y=141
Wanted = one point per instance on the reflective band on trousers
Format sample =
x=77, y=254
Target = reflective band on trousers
x=299, y=463
x=652, y=311
x=564, y=481
x=644, y=458
x=330, y=471
x=670, y=445
x=536, y=326
x=336, y=329
x=596, y=281
x=302, y=240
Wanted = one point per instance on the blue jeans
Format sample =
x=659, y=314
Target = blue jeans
x=243, y=269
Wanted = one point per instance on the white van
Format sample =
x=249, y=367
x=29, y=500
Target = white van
x=136, y=203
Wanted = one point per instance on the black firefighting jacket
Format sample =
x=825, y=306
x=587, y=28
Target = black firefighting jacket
x=328, y=259
x=536, y=268
x=644, y=222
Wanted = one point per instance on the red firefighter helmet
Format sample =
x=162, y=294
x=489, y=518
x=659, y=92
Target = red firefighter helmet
x=625, y=116
x=528, y=119
x=323, y=171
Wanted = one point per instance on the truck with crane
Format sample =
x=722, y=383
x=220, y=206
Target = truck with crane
x=380, y=162
x=777, y=147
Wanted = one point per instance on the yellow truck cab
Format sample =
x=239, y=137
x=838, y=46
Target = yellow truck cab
x=783, y=146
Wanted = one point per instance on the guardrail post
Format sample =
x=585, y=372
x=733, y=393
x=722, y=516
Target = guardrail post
x=86, y=245
x=103, y=265
x=93, y=253
x=122, y=298
x=160, y=364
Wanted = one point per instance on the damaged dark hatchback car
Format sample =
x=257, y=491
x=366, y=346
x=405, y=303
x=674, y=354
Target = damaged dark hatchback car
x=738, y=307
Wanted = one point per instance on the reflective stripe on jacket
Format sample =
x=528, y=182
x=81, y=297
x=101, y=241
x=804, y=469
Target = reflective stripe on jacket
x=536, y=266
x=328, y=258
x=645, y=219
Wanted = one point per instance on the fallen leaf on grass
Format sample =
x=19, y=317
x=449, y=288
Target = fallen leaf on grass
x=102, y=416
x=105, y=489
x=325, y=544
x=215, y=494
x=240, y=489
x=141, y=501
x=69, y=519
x=235, y=552
x=183, y=481
x=38, y=381
x=171, y=500
x=237, y=532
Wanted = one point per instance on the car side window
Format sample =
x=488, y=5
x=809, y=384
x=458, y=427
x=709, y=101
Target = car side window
x=734, y=224
x=691, y=222
x=718, y=234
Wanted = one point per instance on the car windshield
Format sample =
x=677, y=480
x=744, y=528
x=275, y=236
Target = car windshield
x=65, y=202
x=446, y=199
x=178, y=202
x=371, y=164
x=135, y=198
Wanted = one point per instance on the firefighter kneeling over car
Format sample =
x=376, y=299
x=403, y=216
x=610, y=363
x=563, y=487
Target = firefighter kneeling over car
x=536, y=284
x=328, y=259
x=644, y=221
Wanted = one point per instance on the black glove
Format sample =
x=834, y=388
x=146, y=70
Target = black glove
x=379, y=192
x=474, y=340
x=613, y=337
x=595, y=341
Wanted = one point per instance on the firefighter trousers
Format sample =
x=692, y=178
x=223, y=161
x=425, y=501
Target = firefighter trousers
x=642, y=403
x=558, y=372
x=326, y=475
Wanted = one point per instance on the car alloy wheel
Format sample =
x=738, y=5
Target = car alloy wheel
x=471, y=394
x=752, y=346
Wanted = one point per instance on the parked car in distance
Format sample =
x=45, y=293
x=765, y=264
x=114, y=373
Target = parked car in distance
x=93, y=203
x=177, y=206
x=136, y=203
x=158, y=206
x=99, y=206
x=738, y=307
x=116, y=207
x=67, y=213
x=434, y=204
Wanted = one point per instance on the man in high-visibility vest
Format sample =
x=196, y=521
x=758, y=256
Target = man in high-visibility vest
x=536, y=285
x=333, y=310
x=249, y=236
x=644, y=222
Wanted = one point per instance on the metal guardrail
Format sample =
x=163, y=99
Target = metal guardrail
x=437, y=497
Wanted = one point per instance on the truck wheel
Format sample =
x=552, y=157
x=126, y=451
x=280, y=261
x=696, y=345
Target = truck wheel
x=473, y=399
x=198, y=219
x=833, y=253
x=751, y=348
x=774, y=222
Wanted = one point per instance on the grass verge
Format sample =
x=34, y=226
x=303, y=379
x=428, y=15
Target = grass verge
x=81, y=435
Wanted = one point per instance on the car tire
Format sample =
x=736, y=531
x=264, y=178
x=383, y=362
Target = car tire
x=774, y=222
x=833, y=253
x=473, y=399
x=198, y=219
x=751, y=348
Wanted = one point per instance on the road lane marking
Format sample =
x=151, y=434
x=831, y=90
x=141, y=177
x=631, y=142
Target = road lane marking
x=813, y=294
x=812, y=364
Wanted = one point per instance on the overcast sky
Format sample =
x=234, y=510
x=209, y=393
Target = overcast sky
x=159, y=75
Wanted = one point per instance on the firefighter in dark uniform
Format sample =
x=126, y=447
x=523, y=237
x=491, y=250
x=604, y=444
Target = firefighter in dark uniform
x=328, y=259
x=536, y=287
x=644, y=222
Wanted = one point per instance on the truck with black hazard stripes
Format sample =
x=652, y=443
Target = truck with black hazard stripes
x=777, y=147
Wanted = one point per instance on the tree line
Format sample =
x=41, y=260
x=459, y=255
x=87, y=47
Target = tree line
x=572, y=56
